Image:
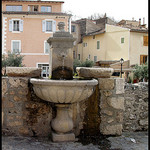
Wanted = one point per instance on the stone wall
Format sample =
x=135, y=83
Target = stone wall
x=23, y=113
x=111, y=105
x=136, y=107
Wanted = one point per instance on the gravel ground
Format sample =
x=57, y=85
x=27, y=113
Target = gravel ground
x=128, y=141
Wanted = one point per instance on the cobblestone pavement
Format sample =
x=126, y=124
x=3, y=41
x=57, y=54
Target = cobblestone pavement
x=128, y=141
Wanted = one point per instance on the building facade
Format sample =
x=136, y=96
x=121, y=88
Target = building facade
x=113, y=42
x=26, y=26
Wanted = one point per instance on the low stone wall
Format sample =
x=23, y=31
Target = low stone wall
x=23, y=112
x=111, y=105
x=110, y=110
x=136, y=107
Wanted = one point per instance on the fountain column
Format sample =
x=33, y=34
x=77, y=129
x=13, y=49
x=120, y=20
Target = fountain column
x=62, y=56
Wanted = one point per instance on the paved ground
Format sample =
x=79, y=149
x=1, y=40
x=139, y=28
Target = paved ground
x=128, y=141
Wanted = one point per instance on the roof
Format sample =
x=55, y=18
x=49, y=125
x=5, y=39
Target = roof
x=34, y=1
x=100, y=31
x=135, y=28
x=34, y=13
x=88, y=27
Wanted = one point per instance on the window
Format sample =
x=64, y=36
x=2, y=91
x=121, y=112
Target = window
x=145, y=40
x=33, y=8
x=122, y=40
x=45, y=8
x=13, y=8
x=45, y=70
x=95, y=58
x=79, y=56
x=48, y=26
x=143, y=59
x=84, y=44
x=16, y=46
x=16, y=25
x=46, y=47
x=73, y=28
x=98, y=44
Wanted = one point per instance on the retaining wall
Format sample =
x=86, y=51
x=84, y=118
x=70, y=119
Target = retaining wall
x=136, y=107
x=110, y=110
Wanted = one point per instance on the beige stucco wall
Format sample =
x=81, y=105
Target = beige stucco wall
x=111, y=47
x=136, y=47
x=114, y=48
x=91, y=48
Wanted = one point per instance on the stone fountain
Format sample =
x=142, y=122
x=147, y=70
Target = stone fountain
x=62, y=89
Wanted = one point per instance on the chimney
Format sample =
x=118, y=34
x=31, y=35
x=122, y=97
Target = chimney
x=139, y=21
x=143, y=20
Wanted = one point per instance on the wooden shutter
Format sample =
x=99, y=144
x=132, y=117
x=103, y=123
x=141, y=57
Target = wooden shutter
x=145, y=40
x=21, y=25
x=54, y=26
x=10, y=25
x=141, y=59
x=43, y=25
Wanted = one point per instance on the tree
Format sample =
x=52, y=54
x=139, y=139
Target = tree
x=12, y=59
x=141, y=72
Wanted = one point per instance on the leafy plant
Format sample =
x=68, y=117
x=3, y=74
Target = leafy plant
x=12, y=59
x=130, y=80
x=78, y=63
x=88, y=63
x=141, y=72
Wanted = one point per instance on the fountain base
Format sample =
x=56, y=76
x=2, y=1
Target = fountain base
x=62, y=124
x=67, y=137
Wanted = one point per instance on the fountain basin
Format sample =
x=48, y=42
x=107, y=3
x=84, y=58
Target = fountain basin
x=63, y=91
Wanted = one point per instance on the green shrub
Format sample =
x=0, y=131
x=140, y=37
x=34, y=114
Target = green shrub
x=12, y=59
x=78, y=63
x=141, y=72
x=87, y=63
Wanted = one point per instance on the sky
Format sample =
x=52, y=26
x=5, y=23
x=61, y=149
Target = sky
x=117, y=9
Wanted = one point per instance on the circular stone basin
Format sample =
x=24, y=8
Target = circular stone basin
x=89, y=72
x=63, y=91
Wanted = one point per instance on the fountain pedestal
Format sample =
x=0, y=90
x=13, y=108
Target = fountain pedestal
x=62, y=92
x=62, y=124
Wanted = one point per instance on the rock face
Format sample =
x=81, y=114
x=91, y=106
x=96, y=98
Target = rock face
x=88, y=72
x=23, y=71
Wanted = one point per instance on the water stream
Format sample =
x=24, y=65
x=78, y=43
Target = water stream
x=63, y=67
